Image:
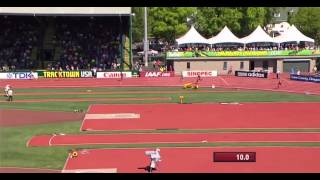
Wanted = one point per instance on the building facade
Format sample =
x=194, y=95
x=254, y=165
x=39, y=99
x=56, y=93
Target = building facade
x=222, y=65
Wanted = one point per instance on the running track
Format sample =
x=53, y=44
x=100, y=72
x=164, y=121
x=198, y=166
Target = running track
x=98, y=139
x=219, y=81
x=206, y=116
x=199, y=160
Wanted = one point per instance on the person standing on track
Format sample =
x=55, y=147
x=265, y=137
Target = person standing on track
x=279, y=84
x=6, y=89
x=315, y=69
x=197, y=81
x=198, y=78
x=278, y=74
x=10, y=94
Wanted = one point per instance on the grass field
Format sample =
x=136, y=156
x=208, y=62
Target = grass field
x=13, y=151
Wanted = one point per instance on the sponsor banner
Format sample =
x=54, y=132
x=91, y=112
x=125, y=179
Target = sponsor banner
x=114, y=74
x=242, y=53
x=19, y=75
x=181, y=54
x=61, y=74
x=156, y=74
x=305, y=78
x=201, y=73
x=251, y=74
x=86, y=74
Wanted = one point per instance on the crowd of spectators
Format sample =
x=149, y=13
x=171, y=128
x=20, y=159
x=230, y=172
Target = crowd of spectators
x=18, y=36
x=249, y=47
x=87, y=43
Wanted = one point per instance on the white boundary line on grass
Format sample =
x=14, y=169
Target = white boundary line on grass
x=65, y=164
x=84, y=117
x=28, y=142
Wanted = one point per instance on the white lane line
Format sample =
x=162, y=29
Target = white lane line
x=54, y=135
x=113, y=116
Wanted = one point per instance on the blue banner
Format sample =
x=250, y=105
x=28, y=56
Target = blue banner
x=305, y=78
x=18, y=75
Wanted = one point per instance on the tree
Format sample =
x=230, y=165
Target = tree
x=169, y=22
x=210, y=20
x=137, y=24
x=253, y=17
x=307, y=20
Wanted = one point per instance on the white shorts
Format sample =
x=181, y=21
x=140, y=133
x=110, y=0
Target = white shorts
x=153, y=164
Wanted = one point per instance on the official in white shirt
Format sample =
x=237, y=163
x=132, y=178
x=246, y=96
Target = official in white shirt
x=10, y=95
x=6, y=89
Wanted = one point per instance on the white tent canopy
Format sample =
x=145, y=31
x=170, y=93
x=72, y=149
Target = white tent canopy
x=258, y=36
x=192, y=37
x=224, y=36
x=293, y=35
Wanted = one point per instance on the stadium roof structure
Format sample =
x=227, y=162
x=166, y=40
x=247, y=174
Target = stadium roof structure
x=192, y=37
x=225, y=36
x=293, y=35
x=66, y=11
x=258, y=36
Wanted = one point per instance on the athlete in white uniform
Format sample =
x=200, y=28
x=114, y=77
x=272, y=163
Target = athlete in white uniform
x=154, y=157
x=6, y=89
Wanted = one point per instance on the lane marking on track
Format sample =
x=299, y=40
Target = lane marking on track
x=224, y=81
x=113, y=116
x=107, y=170
x=182, y=142
x=219, y=129
x=207, y=147
x=50, y=144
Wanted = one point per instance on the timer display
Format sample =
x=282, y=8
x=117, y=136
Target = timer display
x=234, y=157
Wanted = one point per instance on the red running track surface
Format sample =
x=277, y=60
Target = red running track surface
x=200, y=160
x=206, y=116
x=220, y=81
x=97, y=139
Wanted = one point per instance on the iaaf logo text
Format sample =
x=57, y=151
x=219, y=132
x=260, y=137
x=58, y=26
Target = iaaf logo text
x=157, y=74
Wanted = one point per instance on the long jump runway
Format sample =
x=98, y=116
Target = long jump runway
x=201, y=116
x=100, y=139
x=197, y=160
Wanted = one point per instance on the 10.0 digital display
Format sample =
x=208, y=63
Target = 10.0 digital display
x=234, y=157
